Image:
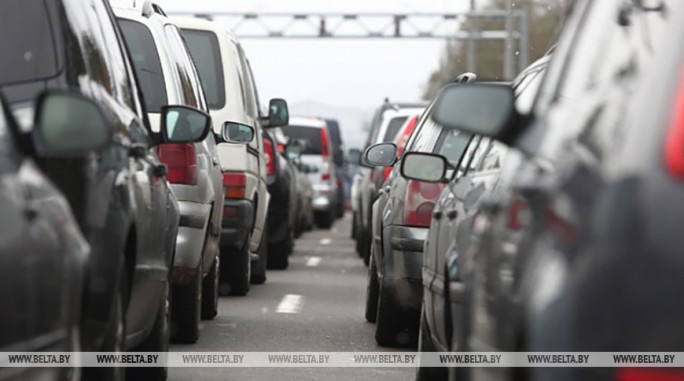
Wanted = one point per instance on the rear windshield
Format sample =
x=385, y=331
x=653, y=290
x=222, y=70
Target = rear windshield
x=311, y=135
x=393, y=128
x=204, y=49
x=28, y=51
x=146, y=62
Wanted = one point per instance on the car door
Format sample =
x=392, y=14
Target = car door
x=31, y=265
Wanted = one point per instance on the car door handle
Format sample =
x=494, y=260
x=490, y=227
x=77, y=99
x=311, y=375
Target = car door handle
x=30, y=212
x=452, y=214
x=387, y=189
x=215, y=161
x=437, y=215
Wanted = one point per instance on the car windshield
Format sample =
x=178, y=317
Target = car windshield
x=204, y=49
x=311, y=135
x=26, y=42
x=147, y=65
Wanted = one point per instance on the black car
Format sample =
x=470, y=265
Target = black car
x=119, y=196
x=338, y=160
x=37, y=221
x=582, y=253
x=282, y=208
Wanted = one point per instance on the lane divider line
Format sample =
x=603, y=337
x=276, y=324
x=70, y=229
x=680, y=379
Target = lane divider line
x=313, y=261
x=291, y=304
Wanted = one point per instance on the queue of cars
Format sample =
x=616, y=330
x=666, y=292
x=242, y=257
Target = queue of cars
x=141, y=179
x=553, y=217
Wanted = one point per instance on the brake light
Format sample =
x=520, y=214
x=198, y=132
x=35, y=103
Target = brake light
x=270, y=157
x=388, y=170
x=235, y=183
x=518, y=214
x=419, y=202
x=326, y=171
x=325, y=147
x=281, y=148
x=405, y=134
x=643, y=374
x=674, y=145
x=181, y=160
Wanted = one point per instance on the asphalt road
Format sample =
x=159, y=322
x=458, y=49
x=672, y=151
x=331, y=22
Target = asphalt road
x=328, y=281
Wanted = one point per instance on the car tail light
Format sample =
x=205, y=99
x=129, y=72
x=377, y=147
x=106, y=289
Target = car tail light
x=326, y=171
x=419, y=202
x=388, y=170
x=405, y=134
x=181, y=160
x=270, y=157
x=518, y=214
x=235, y=183
x=644, y=374
x=325, y=147
x=674, y=145
x=281, y=148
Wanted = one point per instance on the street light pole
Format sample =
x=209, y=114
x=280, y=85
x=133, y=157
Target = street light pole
x=472, y=60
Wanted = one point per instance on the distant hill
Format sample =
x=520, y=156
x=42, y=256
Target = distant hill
x=353, y=122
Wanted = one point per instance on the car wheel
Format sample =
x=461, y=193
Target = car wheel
x=235, y=270
x=210, y=286
x=114, y=338
x=157, y=341
x=352, y=234
x=393, y=324
x=259, y=268
x=425, y=345
x=372, y=290
x=186, y=305
x=279, y=252
x=324, y=220
x=366, y=246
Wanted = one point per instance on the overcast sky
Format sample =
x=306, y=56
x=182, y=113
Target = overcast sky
x=348, y=73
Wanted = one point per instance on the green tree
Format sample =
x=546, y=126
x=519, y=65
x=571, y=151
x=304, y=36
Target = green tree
x=545, y=18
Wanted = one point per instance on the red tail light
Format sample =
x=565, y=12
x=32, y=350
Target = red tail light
x=181, y=160
x=388, y=170
x=517, y=214
x=270, y=157
x=235, y=183
x=405, y=134
x=325, y=176
x=674, y=145
x=645, y=374
x=325, y=147
x=281, y=148
x=419, y=202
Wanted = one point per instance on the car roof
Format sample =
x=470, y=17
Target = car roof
x=308, y=121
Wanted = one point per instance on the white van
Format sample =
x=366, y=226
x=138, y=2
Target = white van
x=232, y=97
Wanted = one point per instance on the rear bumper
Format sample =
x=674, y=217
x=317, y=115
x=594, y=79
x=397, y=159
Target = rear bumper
x=237, y=223
x=403, y=264
x=190, y=240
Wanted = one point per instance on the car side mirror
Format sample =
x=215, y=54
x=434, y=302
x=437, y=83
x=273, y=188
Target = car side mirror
x=69, y=124
x=237, y=133
x=354, y=156
x=183, y=124
x=481, y=109
x=425, y=167
x=381, y=155
x=278, y=113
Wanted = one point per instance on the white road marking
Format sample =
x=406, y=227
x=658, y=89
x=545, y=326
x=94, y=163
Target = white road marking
x=313, y=261
x=291, y=304
x=326, y=241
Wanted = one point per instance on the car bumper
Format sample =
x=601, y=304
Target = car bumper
x=238, y=219
x=403, y=259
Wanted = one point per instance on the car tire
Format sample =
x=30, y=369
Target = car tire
x=372, y=291
x=210, y=291
x=279, y=252
x=392, y=325
x=366, y=246
x=157, y=341
x=258, y=275
x=186, y=309
x=325, y=220
x=114, y=340
x=235, y=270
x=425, y=345
x=352, y=234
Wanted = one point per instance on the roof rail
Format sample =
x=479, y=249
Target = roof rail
x=142, y=6
x=158, y=9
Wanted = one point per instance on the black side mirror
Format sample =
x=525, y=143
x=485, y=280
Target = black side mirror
x=381, y=155
x=354, y=156
x=237, y=133
x=424, y=167
x=183, y=124
x=278, y=114
x=69, y=124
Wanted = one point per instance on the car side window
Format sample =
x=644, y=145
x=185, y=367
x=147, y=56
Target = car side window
x=467, y=159
x=494, y=158
x=189, y=92
x=248, y=86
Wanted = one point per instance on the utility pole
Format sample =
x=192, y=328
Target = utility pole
x=508, y=56
x=472, y=60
